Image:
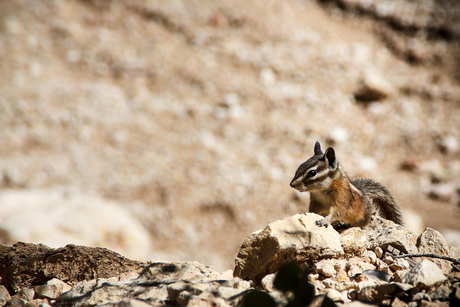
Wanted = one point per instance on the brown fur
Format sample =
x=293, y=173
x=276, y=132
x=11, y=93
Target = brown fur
x=341, y=201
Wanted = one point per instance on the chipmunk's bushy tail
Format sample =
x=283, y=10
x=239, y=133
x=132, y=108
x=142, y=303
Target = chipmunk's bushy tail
x=382, y=198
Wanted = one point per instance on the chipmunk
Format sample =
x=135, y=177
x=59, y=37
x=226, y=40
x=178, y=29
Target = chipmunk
x=344, y=202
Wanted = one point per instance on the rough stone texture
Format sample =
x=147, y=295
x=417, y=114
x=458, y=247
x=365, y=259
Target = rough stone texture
x=383, y=233
x=329, y=267
x=377, y=293
x=296, y=237
x=432, y=242
x=353, y=240
x=182, y=283
x=373, y=87
x=425, y=275
x=194, y=113
x=4, y=295
x=25, y=264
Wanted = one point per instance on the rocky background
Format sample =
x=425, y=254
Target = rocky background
x=171, y=129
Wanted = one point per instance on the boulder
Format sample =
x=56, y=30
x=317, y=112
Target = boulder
x=294, y=238
x=425, y=275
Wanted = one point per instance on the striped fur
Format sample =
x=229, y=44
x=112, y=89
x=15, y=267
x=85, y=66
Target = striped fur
x=342, y=201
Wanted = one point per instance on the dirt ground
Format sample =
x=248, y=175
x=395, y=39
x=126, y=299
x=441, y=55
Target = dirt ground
x=195, y=114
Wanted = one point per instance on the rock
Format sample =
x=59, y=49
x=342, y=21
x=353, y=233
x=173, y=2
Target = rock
x=129, y=302
x=294, y=238
x=4, y=295
x=454, y=252
x=450, y=144
x=181, y=283
x=373, y=87
x=398, y=275
x=398, y=303
x=333, y=295
x=340, y=286
x=25, y=264
x=387, y=259
x=341, y=277
x=425, y=275
x=48, y=291
x=353, y=241
x=52, y=289
x=357, y=266
x=39, y=302
x=329, y=267
x=378, y=252
x=267, y=283
x=26, y=294
x=442, y=293
x=383, y=233
x=177, y=288
x=377, y=276
x=432, y=242
x=370, y=257
x=441, y=191
x=377, y=293
x=399, y=264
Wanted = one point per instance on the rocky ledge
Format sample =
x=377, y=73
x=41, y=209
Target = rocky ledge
x=383, y=264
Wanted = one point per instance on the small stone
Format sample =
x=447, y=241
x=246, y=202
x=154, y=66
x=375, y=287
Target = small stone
x=227, y=292
x=441, y=293
x=267, y=283
x=340, y=286
x=4, y=295
x=399, y=264
x=432, y=242
x=370, y=257
x=373, y=87
x=341, y=277
x=425, y=275
x=319, y=285
x=398, y=303
x=441, y=191
x=378, y=252
x=48, y=291
x=238, y=283
x=353, y=240
x=333, y=295
x=326, y=269
x=329, y=267
x=40, y=302
x=26, y=294
x=377, y=276
x=313, y=277
x=379, y=292
x=65, y=286
x=450, y=144
x=397, y=277
x=388, y=259
x=183, y=298
x=362, y=277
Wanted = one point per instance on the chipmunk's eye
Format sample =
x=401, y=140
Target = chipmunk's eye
x=311, y=173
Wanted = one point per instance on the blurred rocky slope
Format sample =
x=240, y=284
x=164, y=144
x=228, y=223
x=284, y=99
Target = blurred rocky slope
x=194, y=115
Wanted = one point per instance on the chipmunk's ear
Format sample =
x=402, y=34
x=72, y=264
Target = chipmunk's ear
x=318, y=150
x=329, y=157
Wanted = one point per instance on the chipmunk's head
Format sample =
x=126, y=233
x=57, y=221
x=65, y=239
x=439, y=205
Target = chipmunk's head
x=317, y=172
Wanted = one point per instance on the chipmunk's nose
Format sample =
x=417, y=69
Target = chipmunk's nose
x=292, y=184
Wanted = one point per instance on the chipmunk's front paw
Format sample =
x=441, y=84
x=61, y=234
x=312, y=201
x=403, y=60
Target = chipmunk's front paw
x=322, y=223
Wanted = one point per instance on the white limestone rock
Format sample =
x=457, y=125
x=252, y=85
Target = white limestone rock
x=294, y=238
